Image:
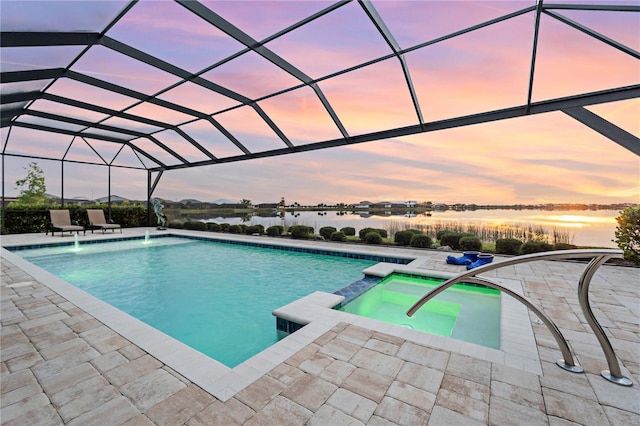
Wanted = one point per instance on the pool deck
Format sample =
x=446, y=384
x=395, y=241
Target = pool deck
x=63, y=362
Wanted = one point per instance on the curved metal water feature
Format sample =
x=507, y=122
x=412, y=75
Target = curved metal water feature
x=599, y=257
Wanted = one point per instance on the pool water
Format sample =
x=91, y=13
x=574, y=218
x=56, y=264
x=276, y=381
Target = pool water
x=464, y=312
x=216, y=298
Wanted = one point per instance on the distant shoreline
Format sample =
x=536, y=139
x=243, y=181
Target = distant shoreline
x=237, y=209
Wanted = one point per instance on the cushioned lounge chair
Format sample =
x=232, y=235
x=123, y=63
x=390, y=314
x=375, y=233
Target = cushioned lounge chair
x=97, y=221
x=61, y=221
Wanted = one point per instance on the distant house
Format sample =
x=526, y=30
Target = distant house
x=115, y=199
x=363, y=205
x=410, y=204
x=79, y=201
x=383, y=205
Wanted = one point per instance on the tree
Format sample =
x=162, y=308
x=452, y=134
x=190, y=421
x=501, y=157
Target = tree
x=628, y=233
x=245, y=203
x=32, y=187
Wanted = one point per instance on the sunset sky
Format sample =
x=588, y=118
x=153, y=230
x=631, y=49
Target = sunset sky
x=545, y=158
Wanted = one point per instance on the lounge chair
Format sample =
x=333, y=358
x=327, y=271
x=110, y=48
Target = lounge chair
x=61, y=221
x=97, y=221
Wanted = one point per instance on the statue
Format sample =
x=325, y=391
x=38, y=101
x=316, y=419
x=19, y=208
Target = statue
x=162, y=219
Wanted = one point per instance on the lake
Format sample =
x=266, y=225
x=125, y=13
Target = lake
x=581, y=227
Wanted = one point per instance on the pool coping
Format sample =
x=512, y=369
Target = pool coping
x=518, y=347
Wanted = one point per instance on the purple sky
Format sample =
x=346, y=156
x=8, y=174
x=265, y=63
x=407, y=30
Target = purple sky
x=543, y=158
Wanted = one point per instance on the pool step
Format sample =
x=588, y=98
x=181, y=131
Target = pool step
x=398, y=295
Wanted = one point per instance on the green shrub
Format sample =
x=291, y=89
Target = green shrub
x=194, y=225
x=414, y=231
x=403, y=238
x=421, y=241
x=338, y=236
x=440, y=233
x=451, y=239
x=364, y=231
x=470, y=244
x=533, y=246
x=127, y=216
x=237, y=229
x=373, y=237
x=508, y=246
x=564, y=246
x=254, y=229
x=22, y=220
x=176, y=224
x=348, y=230
x=301, y=232
x=628, y=233
x=275, y=230
x=326, y=231
x=213, y=227
x=224, y=227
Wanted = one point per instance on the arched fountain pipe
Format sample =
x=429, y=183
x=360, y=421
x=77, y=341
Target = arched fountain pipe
x=598, y=258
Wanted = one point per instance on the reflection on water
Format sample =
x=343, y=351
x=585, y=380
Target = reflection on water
x=574, y=220
x=584, y=227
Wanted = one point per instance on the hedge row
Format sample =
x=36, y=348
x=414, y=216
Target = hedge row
x=295, y=232
x=409, y=237
x=36, y=219
x=510, y=246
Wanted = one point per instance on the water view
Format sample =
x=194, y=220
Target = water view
x=592, y=228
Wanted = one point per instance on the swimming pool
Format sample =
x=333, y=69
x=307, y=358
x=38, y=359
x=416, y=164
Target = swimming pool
x=215, y=297
x=465, y=312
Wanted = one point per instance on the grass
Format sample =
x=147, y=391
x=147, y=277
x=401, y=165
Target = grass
x=489, y=234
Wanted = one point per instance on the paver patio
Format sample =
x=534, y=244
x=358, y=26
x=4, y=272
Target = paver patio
x=60, y=365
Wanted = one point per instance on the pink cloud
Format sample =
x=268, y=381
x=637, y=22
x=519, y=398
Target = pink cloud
x=193, y=44
x=199, y=98
x=109, y=65
x=262, y=18
x=371, y=99
x=159, y=113
x=341, y=39
x=253, y=132
x=90, y=94
x=570, y=62
x=252, y=76
x=301, y=116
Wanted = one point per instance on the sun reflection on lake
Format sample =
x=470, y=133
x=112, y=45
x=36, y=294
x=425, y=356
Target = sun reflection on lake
x=572, y=220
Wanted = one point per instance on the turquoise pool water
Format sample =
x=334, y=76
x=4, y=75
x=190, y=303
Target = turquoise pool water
x=216, y=298
x=464, y=312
